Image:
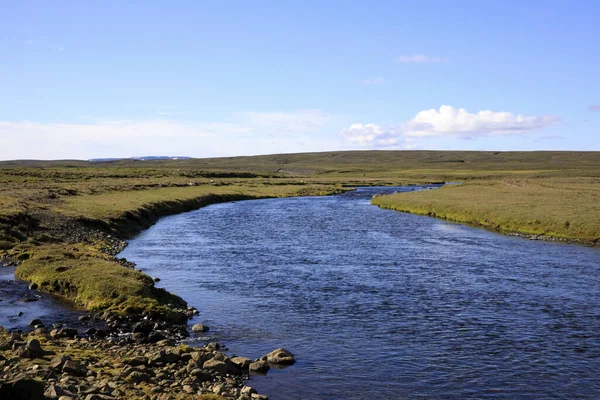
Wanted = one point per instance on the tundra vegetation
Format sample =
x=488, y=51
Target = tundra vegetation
x=63, y=221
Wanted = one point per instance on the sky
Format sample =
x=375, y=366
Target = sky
x=203, y=78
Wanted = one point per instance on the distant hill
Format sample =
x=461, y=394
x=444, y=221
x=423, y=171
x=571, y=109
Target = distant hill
x=146, y=158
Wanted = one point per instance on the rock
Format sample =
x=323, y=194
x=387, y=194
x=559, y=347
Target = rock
x=169, y=356
x=91, y=331
x=200, y=328
x=188, y=389
x=85, y=390
x=137, y=376
x=58, y=362
x=241, y=362
x=256, y=396
x=36, y=322
x=213, y=346
x=216, y=365
x=201, y=375
x=39, y=331
x=281, y=356
x=30, y=299
x=67, y=398
x=156, y=337
x=96, y=396
x=144, y=327
x=248, y=390
x=22, y=389
x=63, y=333
x=73, y=368
x=54, y=392
x=135, y=361
x=260, y=366
x=32, y=349
x=20, y=313
x=218, y=389
x=139, y=337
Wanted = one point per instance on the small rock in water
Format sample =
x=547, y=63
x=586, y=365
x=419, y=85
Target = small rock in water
x=36, y=322
x=33, y=286
x=200, y=328
x=260, y=366
x=19, y=313
x=281, y=356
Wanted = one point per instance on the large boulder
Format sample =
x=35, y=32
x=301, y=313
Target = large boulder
x=281, y=356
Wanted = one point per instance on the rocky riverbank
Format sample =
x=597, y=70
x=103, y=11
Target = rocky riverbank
x=129, y=348
x=63, y=363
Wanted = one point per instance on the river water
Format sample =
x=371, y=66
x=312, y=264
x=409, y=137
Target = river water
x=377, y=304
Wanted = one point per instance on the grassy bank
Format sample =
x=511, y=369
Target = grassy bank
x=64, y=241
x=556, y=207
x=62, y=220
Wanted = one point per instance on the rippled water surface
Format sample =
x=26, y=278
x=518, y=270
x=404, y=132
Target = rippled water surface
x=382, y=304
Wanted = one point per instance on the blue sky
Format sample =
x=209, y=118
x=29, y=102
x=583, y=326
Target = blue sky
x=223, y=78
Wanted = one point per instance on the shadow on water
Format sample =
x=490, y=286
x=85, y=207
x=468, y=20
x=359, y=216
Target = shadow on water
x=19, y=305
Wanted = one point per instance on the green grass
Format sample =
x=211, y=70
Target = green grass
x=563, y=208
x=84, y=275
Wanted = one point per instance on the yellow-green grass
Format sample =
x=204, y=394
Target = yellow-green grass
x=115, y=204
x=84, y=275
x=557, y=207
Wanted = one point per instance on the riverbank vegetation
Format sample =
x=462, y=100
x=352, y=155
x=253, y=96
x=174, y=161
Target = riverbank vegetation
x=63, y=221
x=561, y=208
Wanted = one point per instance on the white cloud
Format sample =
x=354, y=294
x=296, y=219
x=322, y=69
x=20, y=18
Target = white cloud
x=373, y=81
x=450, y=121
x=244, y=133
x=420, y=59
x=445, y=122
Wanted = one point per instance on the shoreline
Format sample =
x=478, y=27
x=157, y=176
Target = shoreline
x=488, y=227
x=134, y=332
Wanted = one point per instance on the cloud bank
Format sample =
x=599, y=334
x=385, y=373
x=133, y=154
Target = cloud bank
x=244, y=133
x=445, y=122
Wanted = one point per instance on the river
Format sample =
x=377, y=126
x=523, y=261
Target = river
x=381, y=304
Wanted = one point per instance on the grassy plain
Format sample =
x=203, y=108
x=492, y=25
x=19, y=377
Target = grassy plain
x=56, y=216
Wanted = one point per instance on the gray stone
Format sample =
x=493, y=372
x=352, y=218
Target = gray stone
x=241, y=362
x=198, y=328
x=216, y=365
x=248, y=390
x=260, y=366
x=54, y=392
x=137, y=376
x=281, y=356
